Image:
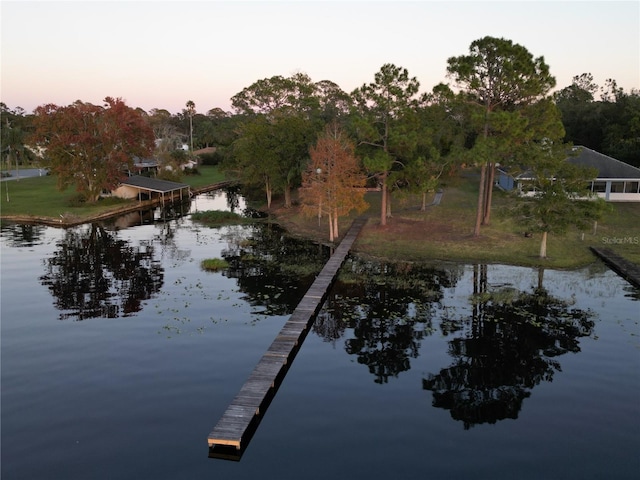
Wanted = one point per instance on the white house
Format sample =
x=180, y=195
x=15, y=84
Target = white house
x=616, y=181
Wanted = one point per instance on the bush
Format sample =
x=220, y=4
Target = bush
x=214, y=158
x=191, y=171
x=76, y=200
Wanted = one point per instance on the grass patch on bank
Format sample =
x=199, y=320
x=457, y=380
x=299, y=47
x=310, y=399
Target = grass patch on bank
x=444, y=232
x=40, y=197
x=207, y=175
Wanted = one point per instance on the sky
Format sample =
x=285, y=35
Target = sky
x=161, y=54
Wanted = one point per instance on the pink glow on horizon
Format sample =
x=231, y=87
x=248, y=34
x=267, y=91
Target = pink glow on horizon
x=161, y=54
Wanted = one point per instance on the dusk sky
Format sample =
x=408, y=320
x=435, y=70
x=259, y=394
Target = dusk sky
x=161, y=54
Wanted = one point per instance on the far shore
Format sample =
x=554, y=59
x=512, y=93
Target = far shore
x=441, y=233
x=71, y=220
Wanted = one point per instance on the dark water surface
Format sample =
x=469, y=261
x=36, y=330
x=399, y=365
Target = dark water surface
x=119, y=355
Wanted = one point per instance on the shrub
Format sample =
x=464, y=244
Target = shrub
x=76, y=200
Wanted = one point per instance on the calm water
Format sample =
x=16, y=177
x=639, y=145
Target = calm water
x=119, y=355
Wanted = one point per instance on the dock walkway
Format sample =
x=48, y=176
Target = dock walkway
x=626, y=269
x=240, y=420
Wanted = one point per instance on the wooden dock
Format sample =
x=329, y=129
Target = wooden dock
x=623, y=267
x=234, y=430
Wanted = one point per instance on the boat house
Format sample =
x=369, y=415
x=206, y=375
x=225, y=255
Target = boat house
x=145, y=188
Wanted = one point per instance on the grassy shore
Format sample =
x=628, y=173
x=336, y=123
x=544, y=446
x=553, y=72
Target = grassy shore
x=443, y=232
x=39, y=198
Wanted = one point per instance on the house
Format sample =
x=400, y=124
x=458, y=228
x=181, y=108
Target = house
x=616, y=181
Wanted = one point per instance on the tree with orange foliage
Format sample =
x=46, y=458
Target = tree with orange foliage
x=90, y=146
x=333, y=184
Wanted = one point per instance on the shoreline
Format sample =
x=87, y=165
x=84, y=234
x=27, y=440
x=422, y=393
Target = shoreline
x=73, y=221
x=306, y=229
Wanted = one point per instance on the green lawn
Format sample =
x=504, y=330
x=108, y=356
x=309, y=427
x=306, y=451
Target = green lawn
x=39, y=196
x=445, y=232
x=448, y=227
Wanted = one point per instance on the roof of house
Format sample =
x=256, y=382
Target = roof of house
x=153, y=184
x=608, y=167
x=205, y=150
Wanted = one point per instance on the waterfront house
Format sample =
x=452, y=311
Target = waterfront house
x=616, y=181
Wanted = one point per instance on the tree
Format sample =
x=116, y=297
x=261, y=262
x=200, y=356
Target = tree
x=497, y=79
x=581, y=113
x=279, y=125
x=334, y=103
x=559, y=197
x=14, y=131
x=423, y=174
x=440, y=141
x=610, y=125
x=89, y=146
x=12, y=144
x=277, y=93
x=333, y=183
x=255, y=160
x=621, y=123
x=206, y=133
x=164, y=130
x=383, y=110
x=191, y=111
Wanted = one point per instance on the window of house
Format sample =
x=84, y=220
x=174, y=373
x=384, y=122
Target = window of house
x=631, y=187
x=527, y=187
x=600, y=187
x=617, y=187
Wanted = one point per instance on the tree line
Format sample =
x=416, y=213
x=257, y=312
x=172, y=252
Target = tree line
x=497, y=107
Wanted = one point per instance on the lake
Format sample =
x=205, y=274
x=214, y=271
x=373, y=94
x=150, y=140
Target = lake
x=120, y=354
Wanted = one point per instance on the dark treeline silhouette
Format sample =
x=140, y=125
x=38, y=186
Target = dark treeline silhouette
x=601, y=117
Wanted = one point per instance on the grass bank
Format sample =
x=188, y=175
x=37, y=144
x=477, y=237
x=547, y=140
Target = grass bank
x=444, y=232
x=39, y=198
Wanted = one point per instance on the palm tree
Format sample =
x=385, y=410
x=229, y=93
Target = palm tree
x=191, y=110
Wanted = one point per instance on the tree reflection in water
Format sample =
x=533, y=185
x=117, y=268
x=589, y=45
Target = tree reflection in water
x=509, y=345
x=95, y=274
x=22, y=234
x=390, y=308
x=273, y=269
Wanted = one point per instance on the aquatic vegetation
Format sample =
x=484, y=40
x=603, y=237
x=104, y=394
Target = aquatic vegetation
x=214, y=218
x=214, y=264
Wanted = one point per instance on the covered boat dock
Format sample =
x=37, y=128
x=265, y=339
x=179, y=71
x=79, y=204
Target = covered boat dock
x=145, y=188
